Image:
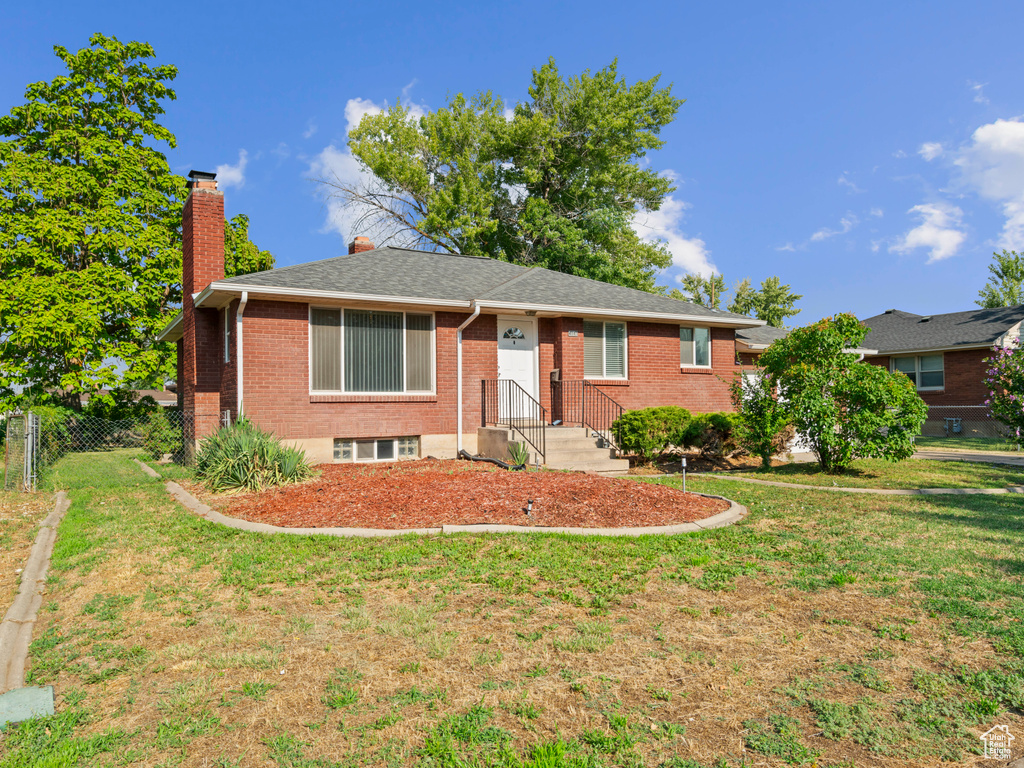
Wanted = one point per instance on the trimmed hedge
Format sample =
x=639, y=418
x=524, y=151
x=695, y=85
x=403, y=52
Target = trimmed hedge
x=650, y=432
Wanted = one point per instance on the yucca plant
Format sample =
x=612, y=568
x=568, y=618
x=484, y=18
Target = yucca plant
x=245, y=457
x=519, y=453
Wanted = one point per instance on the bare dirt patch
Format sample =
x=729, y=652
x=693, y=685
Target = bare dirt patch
x=431, y=493
x=20, y=515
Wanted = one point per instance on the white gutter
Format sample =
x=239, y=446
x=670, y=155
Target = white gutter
x=238, y=351
x=310, y=293
x=561, y=309
x=458, y=374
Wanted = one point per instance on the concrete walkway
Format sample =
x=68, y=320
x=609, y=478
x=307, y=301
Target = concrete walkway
x=878, y=491
x=1015, y=459
x=734, y=514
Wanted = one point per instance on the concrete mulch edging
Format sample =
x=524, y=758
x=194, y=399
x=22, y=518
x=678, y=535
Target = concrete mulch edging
x=880, y=491
x=735, y=513
x=18, y=702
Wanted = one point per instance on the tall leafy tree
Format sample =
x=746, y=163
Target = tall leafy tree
x=1005, y=287
x=556, y=184
x=706, y=291
x=89, y=223
x=773, y=302
x=241, y=255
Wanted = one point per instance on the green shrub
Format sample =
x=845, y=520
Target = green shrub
x=119, y=405
x=764, y=426
x=710, y=433
x=161, y=435
x=649, y=432
x=245, y=457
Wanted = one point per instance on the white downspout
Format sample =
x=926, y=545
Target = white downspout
x=458, y=374
x=238, y=351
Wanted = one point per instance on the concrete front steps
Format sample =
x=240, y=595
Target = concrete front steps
x=567, y=448
x=572, y=448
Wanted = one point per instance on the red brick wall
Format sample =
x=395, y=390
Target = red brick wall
x=654, y=374
x=964, y=377
x=276, y=387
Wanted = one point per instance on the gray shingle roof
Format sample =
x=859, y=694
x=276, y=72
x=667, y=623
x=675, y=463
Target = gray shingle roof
x=895, y=330
x=401, y=272
x=764, y=334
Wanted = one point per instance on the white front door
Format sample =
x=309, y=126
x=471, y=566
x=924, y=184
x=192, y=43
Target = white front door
x=517, y=341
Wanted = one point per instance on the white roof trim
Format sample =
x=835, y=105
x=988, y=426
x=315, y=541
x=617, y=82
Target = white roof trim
x=891, y=352
x=304, y=293
x=170, y=328
x=307, y=293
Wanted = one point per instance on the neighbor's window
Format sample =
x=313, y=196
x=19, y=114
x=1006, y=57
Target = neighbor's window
x=926, y=371
x=695, y=347
x=359, y=350
x=604, y=350
x=386, y=449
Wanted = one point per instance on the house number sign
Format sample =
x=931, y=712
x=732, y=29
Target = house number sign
x=574, y=333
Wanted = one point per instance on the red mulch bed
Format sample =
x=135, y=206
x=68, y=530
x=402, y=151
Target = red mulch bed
x=430, y=493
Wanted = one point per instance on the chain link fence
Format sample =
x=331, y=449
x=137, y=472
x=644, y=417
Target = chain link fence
x=964, y=427
x=41, y=448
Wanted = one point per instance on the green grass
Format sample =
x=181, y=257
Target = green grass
x=984, y=444
x=878, y=473
x=430, y=650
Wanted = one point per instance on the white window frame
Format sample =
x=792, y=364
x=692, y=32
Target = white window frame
x=341, y=352
x=375, y=440
x=918, y=371
x=604, y=350
x=711, y=357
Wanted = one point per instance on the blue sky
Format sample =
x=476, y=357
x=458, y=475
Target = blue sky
x=869, y=154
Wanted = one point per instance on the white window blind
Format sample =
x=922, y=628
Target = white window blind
x=358, y=350
x=604, y=350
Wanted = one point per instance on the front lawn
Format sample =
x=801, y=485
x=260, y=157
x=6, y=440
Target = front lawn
x=983, y=444
x=842, y=630
x=878, y=473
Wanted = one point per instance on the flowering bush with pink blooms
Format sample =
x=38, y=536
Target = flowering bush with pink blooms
x=1005, y=381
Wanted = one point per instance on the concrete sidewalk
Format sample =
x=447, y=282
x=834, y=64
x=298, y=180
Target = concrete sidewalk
x=1015, y=459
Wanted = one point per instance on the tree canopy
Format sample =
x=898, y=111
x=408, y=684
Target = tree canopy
x=90, y=227
x=844, y=408
x=773, y=302
x=1005, y=286
x=556, y=183
x=241, y=255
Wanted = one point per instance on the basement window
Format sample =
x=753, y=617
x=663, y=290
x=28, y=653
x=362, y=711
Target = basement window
x=382, y=449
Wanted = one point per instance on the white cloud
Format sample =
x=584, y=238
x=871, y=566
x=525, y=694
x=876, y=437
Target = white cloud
x=281, y=151
x=899, y=153
x=938, y=230
x=233, y=175
x=688, y=253
x=877, y=212
x=875, y=245
x=311, y=128
x=993, y=164
x=845, y=182
x=979, y=92
x=408, y=88
x=930, y=150
x=786, y=247
x=509, y=113
x=846, y=223
x=338, y=165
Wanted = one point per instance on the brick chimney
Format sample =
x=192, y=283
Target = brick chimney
x=202, y=262
x=360, y=244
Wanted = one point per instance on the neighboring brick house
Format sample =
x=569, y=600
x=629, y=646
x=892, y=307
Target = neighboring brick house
x=944, y=355
x=358, y=356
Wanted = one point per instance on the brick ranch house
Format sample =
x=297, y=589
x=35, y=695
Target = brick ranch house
x=944, y=355
x=368, y=356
